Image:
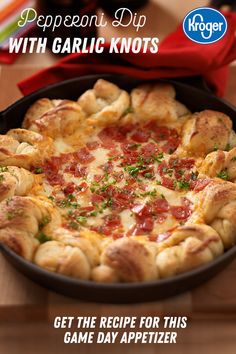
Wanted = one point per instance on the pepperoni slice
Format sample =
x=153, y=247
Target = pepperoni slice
x=55, y=179
x=148, y=173
x=140, y=136
x=122, y=199
x=201, y=183
x=149, y=150
x=143, y=227
x=127, y=128
x=113, y=153
x=118, y=176
x=111, y=133
x=171, y=145
x=168, y=183
x=96, y=199
x=181, y=163
x=51, y=170
x=52, y=165
x=180, y=212
x=84, y=210
x=152, y=125
x=93, y=145
x=111, y=222
x=161, y=133
x=80, y=171
x=70, y=188
x=130, y=154
x=98, y=178
x=186, y=163
x=162, y=168
x=141, y=210
x=83, y=156
x=160, y=205
x=107, y=167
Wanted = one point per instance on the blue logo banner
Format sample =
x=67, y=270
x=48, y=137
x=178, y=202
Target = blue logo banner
x=205, y=25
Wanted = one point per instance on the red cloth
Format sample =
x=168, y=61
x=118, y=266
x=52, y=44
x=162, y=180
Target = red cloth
x=178, y=56
x=7, y=58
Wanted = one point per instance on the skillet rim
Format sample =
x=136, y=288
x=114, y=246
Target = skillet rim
x=222, y=260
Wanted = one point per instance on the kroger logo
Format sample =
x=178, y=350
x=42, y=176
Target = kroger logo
x=204, y=25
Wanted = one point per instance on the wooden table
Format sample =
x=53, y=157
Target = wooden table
x=27, y=310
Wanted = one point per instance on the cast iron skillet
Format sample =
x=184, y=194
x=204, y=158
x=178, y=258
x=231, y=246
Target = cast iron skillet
x=196, y=100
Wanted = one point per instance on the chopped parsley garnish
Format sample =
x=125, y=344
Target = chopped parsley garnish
x=8, y=200
x=181, y=172
x=227, y=148
x=223, y=175
x=148, y=175
x=183, y=185
x=134, y=146
x=152, y=193
x=104, y=188
x=68, y=202
x=194, y=176
x=93, y=213
x=233, y=158
x=81, y=219
x=105, y=204
x=215, y=148
x=14, y=213
x=10, y=215
x=3, y=169
x=106, y=177
x=42, y=238
x=38, y=170
x=167, y=170
x=132, y=170
x=1, y=178
x=159, y=157
x=45, y=220
x=128, y=110
x=73, y=225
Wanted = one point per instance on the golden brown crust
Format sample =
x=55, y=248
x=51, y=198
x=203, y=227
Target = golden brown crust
x=131, y=260
x=218, y=206
x=199, y=244
x=205, y=132
x=105, y=103
x=15, y=181
x=37, y=110
x=56, y=257
x=24, y=148
x=21, y=220
x=60, y=121
x=220, y=164
x=157, y=101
